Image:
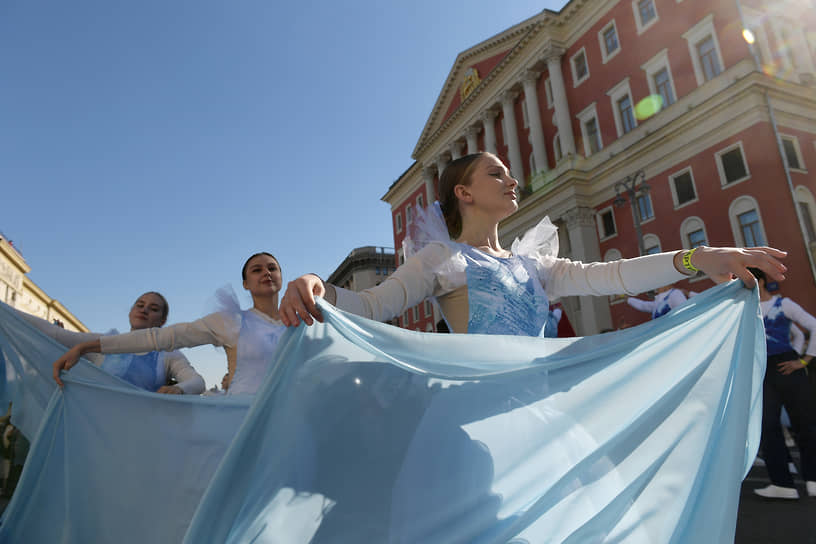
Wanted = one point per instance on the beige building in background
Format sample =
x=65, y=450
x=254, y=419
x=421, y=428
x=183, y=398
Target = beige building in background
x=18, y=291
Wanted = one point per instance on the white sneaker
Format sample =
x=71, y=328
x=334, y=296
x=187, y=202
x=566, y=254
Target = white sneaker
x=776, y=492
x=811, y=488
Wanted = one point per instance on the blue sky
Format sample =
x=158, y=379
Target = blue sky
x=154, y=145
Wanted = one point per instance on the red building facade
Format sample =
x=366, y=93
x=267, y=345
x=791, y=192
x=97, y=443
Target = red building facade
x=715, y=124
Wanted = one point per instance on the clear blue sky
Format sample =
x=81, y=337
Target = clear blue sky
x=154, y=145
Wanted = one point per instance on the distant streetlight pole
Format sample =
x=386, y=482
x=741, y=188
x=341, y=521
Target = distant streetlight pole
x=633, y=186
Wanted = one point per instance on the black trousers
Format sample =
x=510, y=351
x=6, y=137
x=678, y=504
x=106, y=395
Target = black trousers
x=795, y=393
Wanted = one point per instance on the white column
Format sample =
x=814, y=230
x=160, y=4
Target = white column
x=472, y=136
x=428, y=176
x=583, y=237
x=489, y=125
x=511, y=138
x=562, y=113
x=529, y=80
x=456, y=149
x=441, y=162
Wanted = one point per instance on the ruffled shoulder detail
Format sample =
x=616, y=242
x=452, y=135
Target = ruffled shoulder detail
x=226, y=301
x=428, y=226
x=540, y=242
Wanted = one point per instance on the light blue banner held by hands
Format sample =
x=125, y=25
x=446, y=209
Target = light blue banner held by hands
x=368, y=433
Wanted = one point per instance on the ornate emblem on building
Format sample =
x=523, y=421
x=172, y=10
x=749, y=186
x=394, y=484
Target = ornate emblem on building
x=471, y=81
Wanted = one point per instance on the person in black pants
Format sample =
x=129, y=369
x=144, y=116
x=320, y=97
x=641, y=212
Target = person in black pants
x=786, y=384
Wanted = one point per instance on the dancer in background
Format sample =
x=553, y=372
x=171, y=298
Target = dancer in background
x=143, y=367
x=667, y=297
x=786, y=385
x=249, y=337
x=484, y=288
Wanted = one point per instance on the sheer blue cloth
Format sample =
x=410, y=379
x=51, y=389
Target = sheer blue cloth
x=363, y=432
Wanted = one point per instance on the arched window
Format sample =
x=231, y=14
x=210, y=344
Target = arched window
x=651, y=244
x=746, y=222
x=612, y=255
x=693, y=233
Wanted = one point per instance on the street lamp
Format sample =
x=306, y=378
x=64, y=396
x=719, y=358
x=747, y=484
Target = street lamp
x=633, y=186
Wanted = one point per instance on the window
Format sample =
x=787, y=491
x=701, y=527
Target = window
x=557, y=148
x=420, y=201
x=580, y=68
x=682, y=187
x=704, y=50
x=793, y=155
x=409, y=214
x=622, y=107
x=428, y=309
x=644, y=207
x=751, y=229
x=612, y=255
x=415, y=312
x=731, y=165
x=807, y=218
x=398, y=221
x=663, y=86
x=651, y=244
x=405, y=321
x=608, y=38
x=606, y=223
x=696, y=238
x=659, y=78
x=707, y=54
x=589, y=130
x=548, y=92
x=645, y=14
x=626, y=115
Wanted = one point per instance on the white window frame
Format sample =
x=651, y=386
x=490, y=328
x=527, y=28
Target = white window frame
x=721, y=171
x=599, y=222
x=606, y=56
x=641, y=28
x=612, y=254
x=695, y=35
x=689, y=225
x=408, y=215
x=673, y=187
x=427, y=309
x=549, y=94
x=616, y=93
x=575, y=80
x=651, y=205
x=754, y=21
x=398, y=221
x=400, y=256
x=586, y=114
x=653, y=66
x=803, y=194
x=795, y=141
x=655, y=241
x=738, y=206
x=558, y=151
x=415, y=313
x=420, y=201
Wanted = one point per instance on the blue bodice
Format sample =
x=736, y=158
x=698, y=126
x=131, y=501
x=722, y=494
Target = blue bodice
x=777, y=329
x=505, y=296
x=144, y=370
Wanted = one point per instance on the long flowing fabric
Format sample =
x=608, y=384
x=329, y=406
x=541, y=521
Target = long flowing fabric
x=363, y=432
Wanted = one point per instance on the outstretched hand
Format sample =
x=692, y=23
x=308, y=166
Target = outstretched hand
x=299, y=301
x=722, y=264
x=66, y=361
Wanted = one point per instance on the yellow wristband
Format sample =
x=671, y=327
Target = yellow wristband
x=687, y=260
x=805, y=363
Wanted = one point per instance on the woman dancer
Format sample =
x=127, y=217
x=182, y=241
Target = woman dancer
x=249, y=337
x=484, y=288
x=149, y=370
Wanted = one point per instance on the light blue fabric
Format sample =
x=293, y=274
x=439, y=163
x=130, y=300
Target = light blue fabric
x=363, y=432
x=368, y=433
